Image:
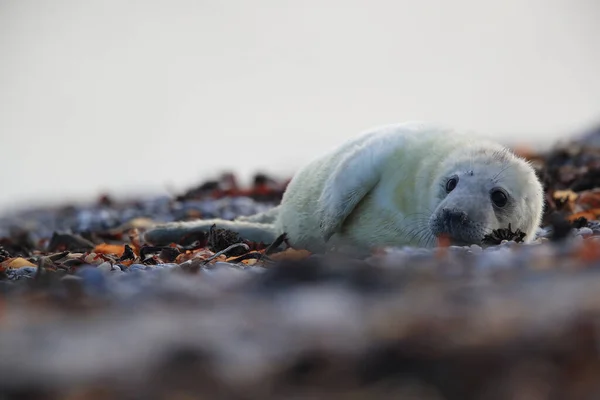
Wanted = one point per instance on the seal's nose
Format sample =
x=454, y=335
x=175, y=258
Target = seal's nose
x=454, y=216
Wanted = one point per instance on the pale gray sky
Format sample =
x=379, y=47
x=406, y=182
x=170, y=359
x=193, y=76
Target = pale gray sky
x=142, y=95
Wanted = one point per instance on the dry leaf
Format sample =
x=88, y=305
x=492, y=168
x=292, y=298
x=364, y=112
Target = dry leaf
x=589, y=215
x=16, y=263
x=94, y=258
x=105, y=248
x=568, y=194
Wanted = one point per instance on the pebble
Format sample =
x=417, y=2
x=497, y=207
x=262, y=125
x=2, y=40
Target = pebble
x=594, y=226
x=476, y=249
x=20, y=273
x=585, y=231
x=93, y=279
x=544, y=232
x=135, y=267
x=105, y=267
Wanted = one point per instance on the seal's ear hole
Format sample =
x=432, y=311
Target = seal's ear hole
x=451, y=184
x=499, y=197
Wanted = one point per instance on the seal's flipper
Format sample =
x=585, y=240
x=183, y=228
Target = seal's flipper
x=267, y=217
x=353, y=178
x=175, y=232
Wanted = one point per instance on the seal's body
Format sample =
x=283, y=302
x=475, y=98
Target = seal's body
x=403, y=184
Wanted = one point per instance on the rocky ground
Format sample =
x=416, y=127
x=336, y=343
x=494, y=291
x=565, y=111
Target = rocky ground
x=89, y=311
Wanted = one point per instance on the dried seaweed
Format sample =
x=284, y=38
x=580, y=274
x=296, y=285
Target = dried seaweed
x=499, y=235
x=128, y=254
x=4, y=254
x=580, y=222
x=220, y=239
x=561, y=227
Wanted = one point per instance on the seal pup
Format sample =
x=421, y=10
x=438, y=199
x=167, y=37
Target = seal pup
x=401, y=184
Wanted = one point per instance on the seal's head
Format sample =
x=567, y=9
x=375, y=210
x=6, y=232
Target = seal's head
x=482, y=189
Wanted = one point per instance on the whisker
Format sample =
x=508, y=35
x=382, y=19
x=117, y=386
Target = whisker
x=496, y=177
x=417, y=230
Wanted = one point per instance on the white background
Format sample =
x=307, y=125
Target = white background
x=132, y=96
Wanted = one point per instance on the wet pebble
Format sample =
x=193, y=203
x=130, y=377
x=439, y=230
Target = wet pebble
x=20, y=273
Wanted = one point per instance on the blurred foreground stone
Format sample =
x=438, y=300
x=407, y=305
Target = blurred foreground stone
x=402, y=324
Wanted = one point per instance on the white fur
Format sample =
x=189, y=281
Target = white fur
x=380, y=189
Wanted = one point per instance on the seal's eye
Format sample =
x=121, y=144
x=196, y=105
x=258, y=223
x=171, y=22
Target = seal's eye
x=451, y=184
x=499, y=198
